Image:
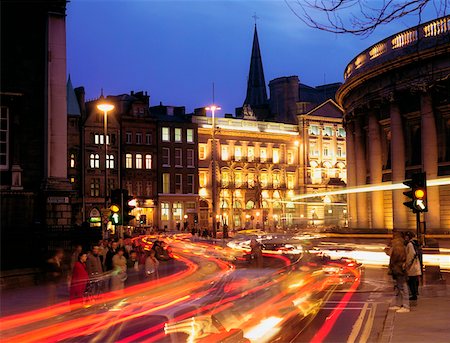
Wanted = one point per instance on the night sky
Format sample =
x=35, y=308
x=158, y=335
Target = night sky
x=175, y=50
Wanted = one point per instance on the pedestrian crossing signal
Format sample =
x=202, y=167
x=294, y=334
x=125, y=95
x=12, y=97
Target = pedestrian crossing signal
x=417, y=193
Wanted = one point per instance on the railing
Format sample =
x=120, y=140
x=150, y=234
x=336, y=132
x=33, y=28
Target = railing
x=435, y=28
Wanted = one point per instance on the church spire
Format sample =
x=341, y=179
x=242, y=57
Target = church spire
x=256, y=85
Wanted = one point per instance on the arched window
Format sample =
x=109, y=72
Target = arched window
x=148, y=161
x=138, y=161
x=94, y=161
x=224, y=204
x=110, y=161
x=128, y=161
x=265, y=204
x=237, y=204
x=72, y=160
x=250, y=204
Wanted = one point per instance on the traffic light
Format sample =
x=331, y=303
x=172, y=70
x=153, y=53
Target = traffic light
x=115, y=206
x=417, y=193
x=128, y=205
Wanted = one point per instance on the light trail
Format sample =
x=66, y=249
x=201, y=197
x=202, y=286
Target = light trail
x=385, y=186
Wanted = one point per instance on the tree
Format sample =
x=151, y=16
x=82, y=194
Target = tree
x=359, y=17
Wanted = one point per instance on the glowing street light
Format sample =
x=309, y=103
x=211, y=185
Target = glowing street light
x=105, y=107
x=213, y=109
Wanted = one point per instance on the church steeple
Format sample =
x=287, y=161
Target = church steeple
x=256, y=85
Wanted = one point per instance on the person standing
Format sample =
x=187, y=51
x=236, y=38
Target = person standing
x=151, y=266
x=256, y=256
x=413, y=267
x=119, y=274
x=397, y=267
x=112, y=250
x=54, y=275
x=79, y=279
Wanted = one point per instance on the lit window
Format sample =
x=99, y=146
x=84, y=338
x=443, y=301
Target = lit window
x=138, y=161
x=225, y=178
x=178, y=137
x=128, y=138
x=72, y=180
x=95, y=187
x=326, y=151
x=290, y=181
x=328, y=131
x=313, y=151
x=314, y=130
x=164, y=211
x=96, y=138
x=276, y=180
x=128, y=161
x=290, y=157
x=341, y=132
x=110, y=161
x=202, y=177
x=166, y=157
x=94, y=161
x=251, y=154
x=4, y=137
x=178, y=158
x=148, y=161
x=251, y=180
x=72, y=160
x=166, y=183
x=190, y=183
x=177, y=211
x=178, y=183
x=238, y=179
x=263, y=154
x=264, y=180
x=148, y=138
x=138, y=138
x=165, y=134
x=202, y=151
x=190, y=135
x=237, y=153
x=101, y=139
x=276, y=155
x=225, y=155
x=190, y=157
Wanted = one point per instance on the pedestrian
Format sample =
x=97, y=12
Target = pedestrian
x=256, y=257
x=74, y=257
x=54, y=275
x=119, y=273
x=412, y=264
x=133, y=268
x=80, y=278
x=151, y=266
x=112, y=250
x=397, y=269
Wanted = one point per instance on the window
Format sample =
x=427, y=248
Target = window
x=190, y=135
x=178, y=158
x=108, y=141
x=276, y=155
x=96, y=138
x=263, y=154
x=202, y=151
x=94, y=161
x=225, y=153
x=314, y=130
x=148, y=138
x=95, y=187
x=166, y=157
x=72, y=160
x=251, y=180
x=340, y=151
x=166, y=183
x=190, y=205
x=276, y=180
x=190, y=157
x=264, y=180
x=313, y=151
x=111, y=185
x=72, y=180
x=139, y=188
x=138, y=138
x=165, y=134
x=178, y=137
x=225, y=178
x=237, y=153
x=290, y=157
x=128, y=138
x=138, y=161
x=128, y=161
x=148, y=189
x=177, y=211
x=129, y=187
x=178, y=183
x=110, y=161
x=164, y=211
x=202, y=178
x=4, y=137
x=190, y=183
x=328, y=131
x=238, y=179
x=290, y=181
x=341, y=132
x=251, y=153
x=148, y=161
x=326, y=151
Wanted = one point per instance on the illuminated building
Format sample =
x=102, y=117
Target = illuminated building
x=397, y=117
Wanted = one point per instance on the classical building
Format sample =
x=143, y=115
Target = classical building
x=397, y=117
x=35, y=193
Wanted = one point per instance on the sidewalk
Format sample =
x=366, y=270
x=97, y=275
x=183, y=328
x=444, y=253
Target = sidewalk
x=428, y=321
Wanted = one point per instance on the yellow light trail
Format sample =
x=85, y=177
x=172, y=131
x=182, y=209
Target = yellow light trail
x=385, y=186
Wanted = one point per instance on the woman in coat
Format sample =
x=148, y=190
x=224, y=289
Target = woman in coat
x=119, y=273
x=413, y=267
x=80, y=278
x=397, y=263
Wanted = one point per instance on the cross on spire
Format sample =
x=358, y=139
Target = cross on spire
x=255, y=17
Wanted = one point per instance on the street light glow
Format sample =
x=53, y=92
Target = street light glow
x=105, y=107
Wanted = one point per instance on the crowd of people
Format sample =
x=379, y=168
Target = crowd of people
x=405, y=267
x=110, y=266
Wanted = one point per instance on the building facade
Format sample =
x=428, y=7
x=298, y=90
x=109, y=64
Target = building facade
x=397, y=118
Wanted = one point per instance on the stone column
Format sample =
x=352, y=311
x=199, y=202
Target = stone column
x=430, y=159
x=399, y=213
x=361, y=174
x=376, y=171
x=351, y=174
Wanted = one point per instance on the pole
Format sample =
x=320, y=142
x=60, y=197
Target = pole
x=105, y=120
x=213, y=174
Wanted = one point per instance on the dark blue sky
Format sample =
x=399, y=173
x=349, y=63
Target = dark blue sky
x=175, y=50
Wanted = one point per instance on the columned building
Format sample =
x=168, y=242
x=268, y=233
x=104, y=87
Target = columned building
x=397, y=117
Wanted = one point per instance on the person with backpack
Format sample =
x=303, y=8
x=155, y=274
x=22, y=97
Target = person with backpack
x=413, y=265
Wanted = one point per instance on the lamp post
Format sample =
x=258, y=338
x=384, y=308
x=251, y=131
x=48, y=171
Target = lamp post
x=213, y=109
x=105, y=107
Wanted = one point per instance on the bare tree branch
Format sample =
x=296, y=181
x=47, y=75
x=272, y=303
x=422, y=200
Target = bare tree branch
x=359, y=17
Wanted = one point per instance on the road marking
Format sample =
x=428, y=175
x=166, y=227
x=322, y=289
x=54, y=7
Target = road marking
x=358, y=324
x=369, y=323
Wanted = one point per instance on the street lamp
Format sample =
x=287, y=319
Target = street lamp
x=105, y=107
x=213, y=109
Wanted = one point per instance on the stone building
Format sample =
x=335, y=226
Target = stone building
x=397, y=117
